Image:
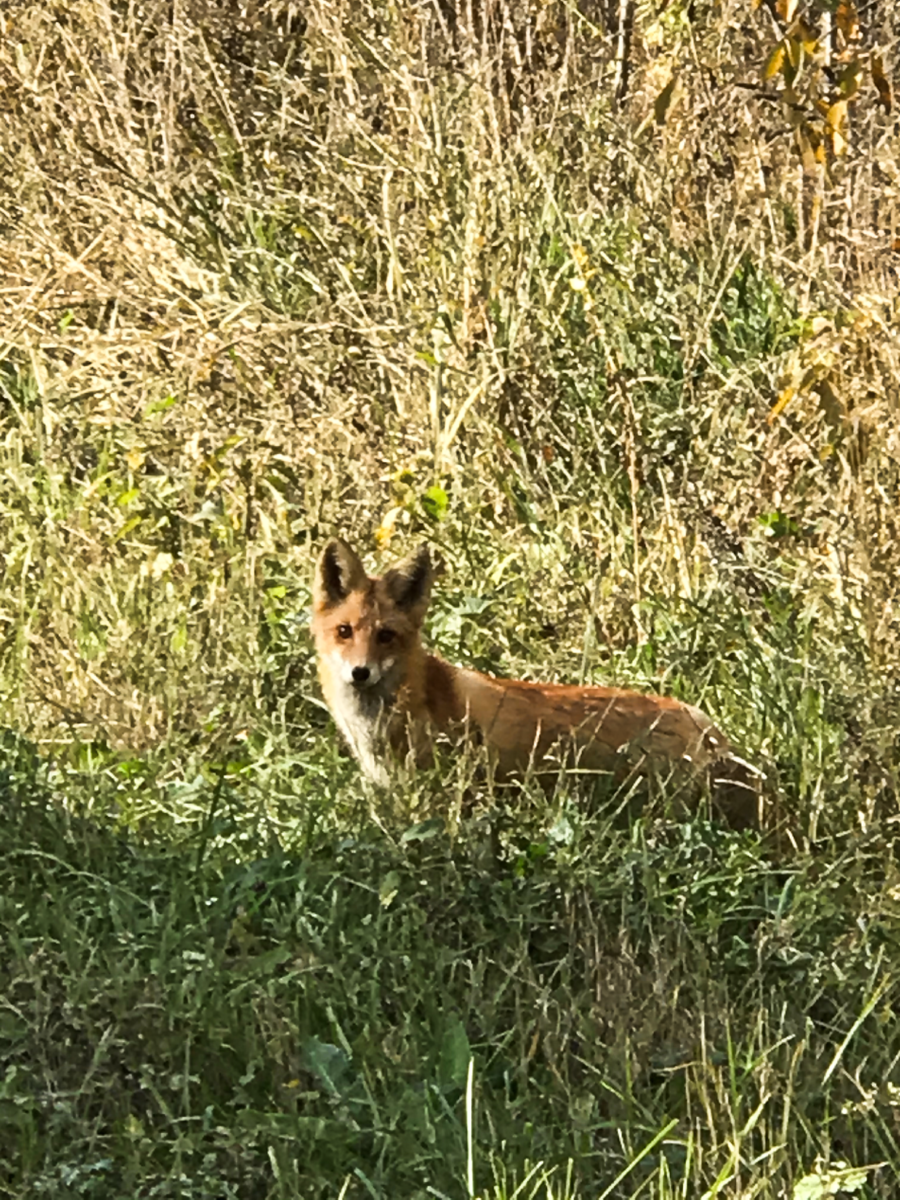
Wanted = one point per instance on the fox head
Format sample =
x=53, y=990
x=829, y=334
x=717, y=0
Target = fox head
x=367, y=630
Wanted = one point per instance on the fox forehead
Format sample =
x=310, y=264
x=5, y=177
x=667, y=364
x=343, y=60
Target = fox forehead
x=355, y=609
x=367, y=608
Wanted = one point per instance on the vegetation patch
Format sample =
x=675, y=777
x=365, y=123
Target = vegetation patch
x=601, y=302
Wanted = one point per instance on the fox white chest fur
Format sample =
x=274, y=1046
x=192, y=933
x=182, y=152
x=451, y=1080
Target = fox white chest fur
x=363, y=706
x=371, y=661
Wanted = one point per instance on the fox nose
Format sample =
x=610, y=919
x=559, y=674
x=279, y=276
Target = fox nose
x=361, y=674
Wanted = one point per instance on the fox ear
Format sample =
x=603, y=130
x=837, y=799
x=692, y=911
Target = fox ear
x=409, y=583
x=339, y=572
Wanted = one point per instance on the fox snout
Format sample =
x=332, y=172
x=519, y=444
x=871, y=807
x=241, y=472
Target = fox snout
x=361, y=675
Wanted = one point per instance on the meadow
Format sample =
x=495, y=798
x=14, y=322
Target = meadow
x=598, y=299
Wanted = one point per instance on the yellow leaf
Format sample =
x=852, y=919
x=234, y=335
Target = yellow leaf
x=837, y=114
x=775, y=63
x=806, y=151
x=784, y=399
x=807, y=37
x=581, y=257
x=812, y=148
x=135, y=459
x=836, y=120
x=385, y=530
x=786, y=9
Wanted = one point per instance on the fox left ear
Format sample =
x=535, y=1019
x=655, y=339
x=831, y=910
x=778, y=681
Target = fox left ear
x=409, y=583
x=339, y=572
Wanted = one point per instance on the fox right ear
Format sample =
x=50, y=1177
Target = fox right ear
x=409, y=583
x=339, y=572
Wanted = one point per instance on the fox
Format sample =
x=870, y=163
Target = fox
x=390, y=697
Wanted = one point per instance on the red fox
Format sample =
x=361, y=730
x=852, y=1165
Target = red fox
x=388, y=695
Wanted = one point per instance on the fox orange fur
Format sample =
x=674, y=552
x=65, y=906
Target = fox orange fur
x=388, y=695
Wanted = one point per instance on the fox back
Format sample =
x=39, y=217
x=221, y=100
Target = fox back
x=389, y=696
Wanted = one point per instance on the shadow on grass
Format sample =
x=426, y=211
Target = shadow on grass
x=224, y=1025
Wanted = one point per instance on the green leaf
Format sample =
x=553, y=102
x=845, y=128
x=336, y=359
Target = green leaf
x=159, y=406
x=390, y=885
x=328, y=1063
x=778, y=524
x=829, y=1181
x=127, y=527
x=455, y=1054
x=423, y=830
x=435, y=501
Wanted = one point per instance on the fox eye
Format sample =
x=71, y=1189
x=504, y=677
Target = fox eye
x=345, y=632
x=386, y=636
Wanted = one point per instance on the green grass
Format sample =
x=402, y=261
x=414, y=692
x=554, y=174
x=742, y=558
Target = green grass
x=406, y=275
x=233, y=1013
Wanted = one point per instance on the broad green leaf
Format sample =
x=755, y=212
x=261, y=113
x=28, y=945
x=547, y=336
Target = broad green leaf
x=455, y=1054
x=423, y=830
x=390, y=885
x=435, y=501
x=829, y=1181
